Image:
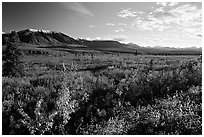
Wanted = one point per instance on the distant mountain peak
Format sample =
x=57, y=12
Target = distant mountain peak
x=33, y=30
x=44, y=31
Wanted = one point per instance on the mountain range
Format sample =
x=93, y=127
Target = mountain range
x=46, y=38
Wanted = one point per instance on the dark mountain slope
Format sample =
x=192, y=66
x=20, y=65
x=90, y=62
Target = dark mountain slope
x=42, y=37
x=102, y=44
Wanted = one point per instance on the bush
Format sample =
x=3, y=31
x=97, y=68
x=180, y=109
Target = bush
x=111, y=102
x=27, y=109
x=174, y=115
x=12, y=66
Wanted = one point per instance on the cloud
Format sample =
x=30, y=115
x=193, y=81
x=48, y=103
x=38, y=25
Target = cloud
x=78, y=8
x=110, y=24
x=162, y=3
x=165, y=4
x=113, y=37
x=86, y=38
x=92, y=26
x=119, y=37
x=125, y=13
x=173, y=4
x=149, y=23
x=191, y=32
x=122, y=24
x=99, y=38
x=119, y=30
x=187, y=15
x=116, y=37
x=184, y=17
x=142, y=25
x=160, y=9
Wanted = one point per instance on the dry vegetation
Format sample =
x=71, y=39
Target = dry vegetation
x=63, y=93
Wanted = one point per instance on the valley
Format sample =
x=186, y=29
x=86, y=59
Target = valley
x=100, y=88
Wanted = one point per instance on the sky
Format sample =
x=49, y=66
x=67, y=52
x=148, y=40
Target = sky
x=167, y=24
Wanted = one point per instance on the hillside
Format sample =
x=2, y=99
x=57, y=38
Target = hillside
x=41, y=37
x=62, y=42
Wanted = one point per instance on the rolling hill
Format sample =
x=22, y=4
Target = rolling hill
x=62, y=42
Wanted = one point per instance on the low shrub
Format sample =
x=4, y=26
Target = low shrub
x=111, y=102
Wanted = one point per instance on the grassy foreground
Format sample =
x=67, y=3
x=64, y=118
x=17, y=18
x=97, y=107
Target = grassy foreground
x=106, y=94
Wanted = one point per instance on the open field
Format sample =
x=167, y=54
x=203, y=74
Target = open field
x=65, y=92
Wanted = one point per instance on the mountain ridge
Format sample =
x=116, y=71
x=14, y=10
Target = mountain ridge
x=47, y=38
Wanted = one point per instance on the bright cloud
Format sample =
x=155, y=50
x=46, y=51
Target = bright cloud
x=162, y=3
x=187, y=15
x=122, y=24
x=165, y=4
x=119, y=30
x=177, y=24
x=118, y=37
x=110, y=24
x=184, y=16
x=98, y=38
x=113, y=37
x=160, y=9
x=150, y=25
x=92, y=26
x=173, y=3
x=129, y=13
x=192, y=32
